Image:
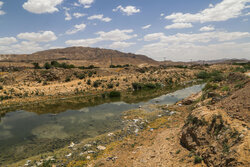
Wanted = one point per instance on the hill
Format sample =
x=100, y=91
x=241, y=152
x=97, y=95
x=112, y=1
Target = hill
x=82, y=56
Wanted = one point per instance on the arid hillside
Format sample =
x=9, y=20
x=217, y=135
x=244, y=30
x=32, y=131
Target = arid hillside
x=80, y=56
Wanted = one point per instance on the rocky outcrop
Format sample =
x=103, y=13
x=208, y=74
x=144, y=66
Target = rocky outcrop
x=212, y=135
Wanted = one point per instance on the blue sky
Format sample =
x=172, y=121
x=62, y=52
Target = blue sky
x=177, y=30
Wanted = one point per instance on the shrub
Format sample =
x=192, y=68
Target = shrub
x=239, y=69
x=96, y=84
x=89, y=82
x=149, y=86
x=80, y=76
x=202, y=75
x=36, y=66
x=1, y=87
x=136, y=86
x=55, y=64
x=68, y=78
x=114, y=94
x=47, y=66
x=110, y=86
x=90, y=74
x=197, y=159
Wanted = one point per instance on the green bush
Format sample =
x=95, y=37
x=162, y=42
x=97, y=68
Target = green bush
x=96, y=84
x=114, y=94
x=239, y=69
x=80, y=76
x=68, y=78
x=1, y=87
x=55, y=64
x=137, y=86
x=146, y=86
x=89, y=82
x=36, y=66
x=197, y=159
x=90, y=74
x=110, y=86
x=202, y=75
x=47, y=66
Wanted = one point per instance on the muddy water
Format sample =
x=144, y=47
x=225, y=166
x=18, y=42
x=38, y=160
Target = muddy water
x=23, y=134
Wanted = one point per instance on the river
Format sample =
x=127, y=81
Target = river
x=23, y=134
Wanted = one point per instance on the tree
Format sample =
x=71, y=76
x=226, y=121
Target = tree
x=47, y=66
x=36, y=66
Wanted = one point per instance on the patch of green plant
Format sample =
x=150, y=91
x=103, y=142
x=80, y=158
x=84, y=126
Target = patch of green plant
x=67, y=79
x=47, y=66
x=178, y=151
x=36, y=65
x=197, y=159
x=225, y=88
x=110, y=86
x=113, y=94
x=210, y=86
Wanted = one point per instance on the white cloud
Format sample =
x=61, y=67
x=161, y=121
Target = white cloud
x=67, y=15
x=1, y=11
x=42, y=6
x=129, y=10
x=114, y=35
x=44, y=36
x=154, y=36
x=7, y=40
x=76, y=4
x=187, y=51
x=100, y=17
x=24, y=47
x=179, y=26
x=78, y=15
x=225, y=10
x=77, y=28
x=86, y=3
x=182, y=47
x=192, y=38
x=207, y=28
x=121, y=45
x=146, y=27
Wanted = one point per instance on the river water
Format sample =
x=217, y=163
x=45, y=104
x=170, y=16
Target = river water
x=23, y=134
